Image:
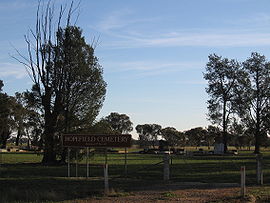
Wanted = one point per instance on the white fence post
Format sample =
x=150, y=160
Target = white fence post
x=166, y=169
x=106, y=179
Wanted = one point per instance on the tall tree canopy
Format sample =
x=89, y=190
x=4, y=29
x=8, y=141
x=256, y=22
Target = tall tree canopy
x=221, y=74
x=6, y=116
x=173, y=137
x=20, y=116
x=119, y=122
x=196, y=136
x=67, y=78
x=254, y=97
x=148, y=133
x=213, y=132
x=1, y=85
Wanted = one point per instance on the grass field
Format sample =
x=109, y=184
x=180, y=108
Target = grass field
x=23, y=179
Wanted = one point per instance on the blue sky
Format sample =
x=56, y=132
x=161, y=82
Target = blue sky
x=153, y=51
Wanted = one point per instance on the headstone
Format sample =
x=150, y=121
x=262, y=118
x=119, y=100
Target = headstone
x=219, y=148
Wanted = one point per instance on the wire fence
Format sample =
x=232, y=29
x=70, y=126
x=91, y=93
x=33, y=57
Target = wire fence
x=183, y=168
x=210, y=168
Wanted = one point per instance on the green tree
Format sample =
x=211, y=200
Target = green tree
x=196, y=136
x=67, y=77
x=100, y=127
x=28, y=119
x=1, y=85
x=253, y=97
x=173, y=137
x=119, y=123
x=84, y=87
x=221, y=74
x=148, y=134
x=6, y=121
x=212, y=133
x=20, y=116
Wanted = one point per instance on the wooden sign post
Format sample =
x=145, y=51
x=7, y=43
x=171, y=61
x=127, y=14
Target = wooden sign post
x=96, y=141
x=87, y=162
x=68, y=162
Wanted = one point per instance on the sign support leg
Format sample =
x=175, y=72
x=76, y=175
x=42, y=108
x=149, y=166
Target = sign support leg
x=87, y=162
x=243, y=181
x=76, y=163
x=106, y=178
x=106, y=156
x=68, y=162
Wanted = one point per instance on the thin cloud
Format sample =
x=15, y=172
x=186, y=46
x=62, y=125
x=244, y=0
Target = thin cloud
x=194, y=39
x=114, y=20
x=19, y=4
x=128, y=32
x=147, y=68
x=12, y=70
x=257, y=20
x=118, y=20
x=191, y=82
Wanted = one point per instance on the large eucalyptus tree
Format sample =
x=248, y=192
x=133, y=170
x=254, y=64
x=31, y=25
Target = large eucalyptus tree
x=67, y=77
x=221, y=75
x=254, y=97
x=119, y=123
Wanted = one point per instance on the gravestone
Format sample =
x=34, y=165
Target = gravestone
x=219, y=148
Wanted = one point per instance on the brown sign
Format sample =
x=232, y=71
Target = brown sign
x=85, y=140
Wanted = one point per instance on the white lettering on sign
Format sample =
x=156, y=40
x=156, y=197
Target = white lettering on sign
x=97, y=140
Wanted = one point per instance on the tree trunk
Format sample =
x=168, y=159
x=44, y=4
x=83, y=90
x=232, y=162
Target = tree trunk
x=49, y=156
x=257, y=138
x=4, y=144
x=224, y=127
x=28, y=144
x=4, y=137
x=18, y=137
x=257, y=145
x=67, y=129
x=63, y=155
x=28, y=139
x=258, y=115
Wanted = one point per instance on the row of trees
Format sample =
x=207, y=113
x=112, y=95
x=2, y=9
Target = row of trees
x=18, y=117
x=239, y=96
x=150, y=134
